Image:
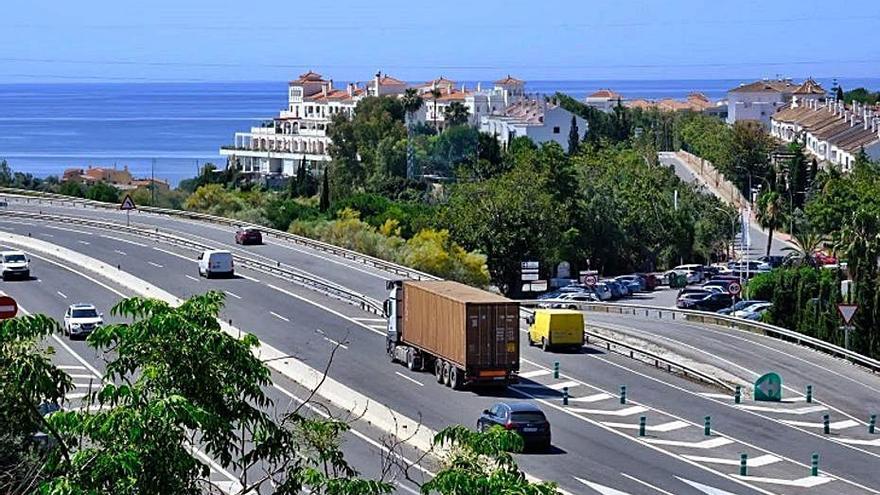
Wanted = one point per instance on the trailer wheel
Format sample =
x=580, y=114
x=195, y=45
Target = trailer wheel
x=410, y=360
x=456, y=377
x=438, y=370
x=446, y=373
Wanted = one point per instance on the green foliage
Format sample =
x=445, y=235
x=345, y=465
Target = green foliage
x=770, y=210
x=376, y=210
x=324, y=205
x=860, y=95
x=574, y=138
x=72, y=188
x=481, y=464
x=456, y=114
x=103, y=192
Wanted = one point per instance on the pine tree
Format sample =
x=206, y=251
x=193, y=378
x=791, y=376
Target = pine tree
x=573, y=137
x=324, y=205
x=840, y=95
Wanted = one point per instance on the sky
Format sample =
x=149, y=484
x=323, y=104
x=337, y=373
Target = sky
x=220, y=40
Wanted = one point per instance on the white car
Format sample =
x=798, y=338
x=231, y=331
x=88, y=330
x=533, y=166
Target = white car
x=749, y=312
x=722, y=268
x=14, y=264
x=215, y=262
x=81, y=319
x=574, y=297
x=694, y=271
x=692, y=277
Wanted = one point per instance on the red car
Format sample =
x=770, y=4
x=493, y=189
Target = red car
x=824, y=259
x=248, y=236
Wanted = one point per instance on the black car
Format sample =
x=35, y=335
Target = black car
x=714, y=302
x=774, y=261
x=526, y=419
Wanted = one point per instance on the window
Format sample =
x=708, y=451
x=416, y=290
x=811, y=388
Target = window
x=556, y=130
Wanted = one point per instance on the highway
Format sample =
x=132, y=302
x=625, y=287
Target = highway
x=595, y=440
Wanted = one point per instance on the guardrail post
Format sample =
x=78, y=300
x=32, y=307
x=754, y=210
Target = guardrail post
x=809, y=394
x=814, y=464
x=826, y=424
x=737, y=395
x=564, y=396
x=744, y=464
x=556, y=369
x=707, y=426
x=643, y=421
x=623, y=394
x=872, y=424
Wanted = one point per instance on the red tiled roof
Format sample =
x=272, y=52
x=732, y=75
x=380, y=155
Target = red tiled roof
x=309, y=76
x=766, y=87
x=387, y=80
x=810, y=87
x=605, y=93
x=509, y=80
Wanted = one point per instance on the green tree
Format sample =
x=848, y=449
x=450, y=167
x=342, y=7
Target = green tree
x=770, y=213
x=324, y=205
x=72, y=188
x=574, y=142
x=797, y=175
x=412, y=103
x=456, y=114
x=811, y=175
x=435, y=94
x=750, y=148
x=807, y=242
x=860, y=241
x=5, y=174
x=839, y=94
x=103, y=192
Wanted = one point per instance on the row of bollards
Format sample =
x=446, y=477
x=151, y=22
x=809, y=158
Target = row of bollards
x=744, y=464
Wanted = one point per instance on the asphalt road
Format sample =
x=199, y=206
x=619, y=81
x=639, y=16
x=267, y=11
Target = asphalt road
x=591, y=443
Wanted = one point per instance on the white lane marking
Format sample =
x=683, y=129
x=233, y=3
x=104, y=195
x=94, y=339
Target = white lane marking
x=702, y=444
x=591, y=398
x=805, y=482
x=336, y=343
x=157, y=265
x=70, y=367
x=91, y=384
x=662, y=427
x=84, y=242
x=191, y=278
x=69, y=230
x=559, y=386
x=534, y=373
x=119, y=239
x=63, y=295
x=120, y=252
x=712, y=395
x=708, y=490
x=761, y=460
x=409, y=379
x=172, y=253
x=372, y=320
x=835, y=425
x=46, y=234
x=233, y=294
x=627, y=411
x=276, y=315
x=81, y=376
x=247, y=277
x=798, y=412
x=645, y=483
x=325, y=308
x=856, y=441
x=602, y=489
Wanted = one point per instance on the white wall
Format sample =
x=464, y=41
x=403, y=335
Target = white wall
x=759, y=106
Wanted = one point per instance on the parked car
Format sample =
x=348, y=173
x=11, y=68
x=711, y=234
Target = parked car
x=14, y=264
x=775, y=261
x=602, y=291
x=81, y=320
x=720, y=285
x=824, y=259
x=695, y=290
x=713, y=302
x=689, y=301
x=753, y=312
x=568, y=299
x=651, y=281
x=698, y=270
x=750, y=266
x=740, y=306
x=215, y=262
x=617, y=290
x=248, y=236
x=633, y=282
x=720, y=269
x=526, y=419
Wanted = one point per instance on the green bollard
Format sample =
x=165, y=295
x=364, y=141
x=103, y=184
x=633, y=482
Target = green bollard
x=564, y=396
x=556, y=370
x=643, y=421
x=814, y=464
x=707, y=426
x=623, y=394
x=737, y=396
x=826, y=424
x=809, y=394
x=872, y=424
x=743, y=464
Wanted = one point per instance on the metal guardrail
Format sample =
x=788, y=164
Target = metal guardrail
x=719, y=320
x=61, y=200
x=276, y=269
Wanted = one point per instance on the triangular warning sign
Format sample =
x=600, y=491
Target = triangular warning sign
x=847, y=311
x=127, y=203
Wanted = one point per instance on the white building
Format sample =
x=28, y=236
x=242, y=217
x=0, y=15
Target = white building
x=604, y=100
x=758, y=101
x=831, y=131
x=535, y=119
x=478, y=102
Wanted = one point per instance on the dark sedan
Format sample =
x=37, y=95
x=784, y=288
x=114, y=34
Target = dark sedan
x=526, y=419
x=714, y=302
x=248, y=236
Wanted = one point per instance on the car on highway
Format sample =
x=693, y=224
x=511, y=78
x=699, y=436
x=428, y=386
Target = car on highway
x=528, y=420
x=753, y=312
x=739, y=306
x=81, y=320
x=246, y=236
x=569, y=300
x=215, y=262
x=14, y=264
x=3, y=203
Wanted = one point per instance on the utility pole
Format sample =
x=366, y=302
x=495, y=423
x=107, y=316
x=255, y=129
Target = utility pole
x=153, y=182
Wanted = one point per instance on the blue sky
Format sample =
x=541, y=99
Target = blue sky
x=202, y=40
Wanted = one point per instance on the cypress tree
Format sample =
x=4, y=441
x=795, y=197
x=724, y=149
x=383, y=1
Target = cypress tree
x=573, y=138
x=324, y=205
x=840, y=95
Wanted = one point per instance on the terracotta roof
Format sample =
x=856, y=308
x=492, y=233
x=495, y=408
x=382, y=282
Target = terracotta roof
x=640, y=103
x=509, y=80
x=810, y=87
x=334, y=95
x=453, y=96
x=309, y=76
x=439, y=82
x=605, y=93
x=776, y=86
x=387, y=80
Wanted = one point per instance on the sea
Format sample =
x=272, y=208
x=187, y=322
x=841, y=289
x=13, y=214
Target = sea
x=170, y=130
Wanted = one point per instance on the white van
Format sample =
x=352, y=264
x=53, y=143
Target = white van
x=14, y=264
x=215, y=262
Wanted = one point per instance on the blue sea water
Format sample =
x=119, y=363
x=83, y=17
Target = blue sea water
x=46, y=128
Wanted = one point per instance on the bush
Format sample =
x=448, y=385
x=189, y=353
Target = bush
x=103, y=192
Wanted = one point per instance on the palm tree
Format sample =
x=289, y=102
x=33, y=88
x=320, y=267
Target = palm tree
x=806, y=242
x=456, y=113
x=412, y=103
x=435, y=93
x=770, y=208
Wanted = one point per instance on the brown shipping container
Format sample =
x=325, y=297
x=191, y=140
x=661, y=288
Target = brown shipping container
x=472, y=328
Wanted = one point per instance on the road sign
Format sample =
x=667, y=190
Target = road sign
x=590, y=280
x=769, y=388
x=530, y=276
x=847, y=311
x=127, y=203
x=8, y=307
x=734, y=288
x=529, y=265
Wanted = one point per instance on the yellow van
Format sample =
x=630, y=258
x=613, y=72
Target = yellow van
x=556, y=328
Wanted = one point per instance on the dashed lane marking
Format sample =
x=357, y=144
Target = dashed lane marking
x=409, y=379
x=645, y=483
x=592, y=398
x=661, y=428
x=708, y=490
x=276, y=315
x=761, y=460
x=63, y=295
x=120, y=252
x=172, y=253
x=119, y=239
x=86, y=243
x=71, y=367
x=157, y=265
x=561, y=385
x=191, y=278
x=336, y=343
x=233, y=294
x=81, y=376
x=602, y=489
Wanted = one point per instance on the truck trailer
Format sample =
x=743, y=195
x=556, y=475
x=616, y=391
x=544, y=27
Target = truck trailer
x=464, y=335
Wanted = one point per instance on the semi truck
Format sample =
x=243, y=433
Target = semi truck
x=465, y=336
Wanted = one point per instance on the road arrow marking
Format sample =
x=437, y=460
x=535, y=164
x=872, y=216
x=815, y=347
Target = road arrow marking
x=591, y=398
x=560, y=386
x=857, y=441
x=837, y=425
x=534, y=374
x=627, y=411
x=800, y=411
x=703, y=444
x=761, y=460
x=604, y=490
x=708, y=490
x=662, y=428
x=805, y=482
